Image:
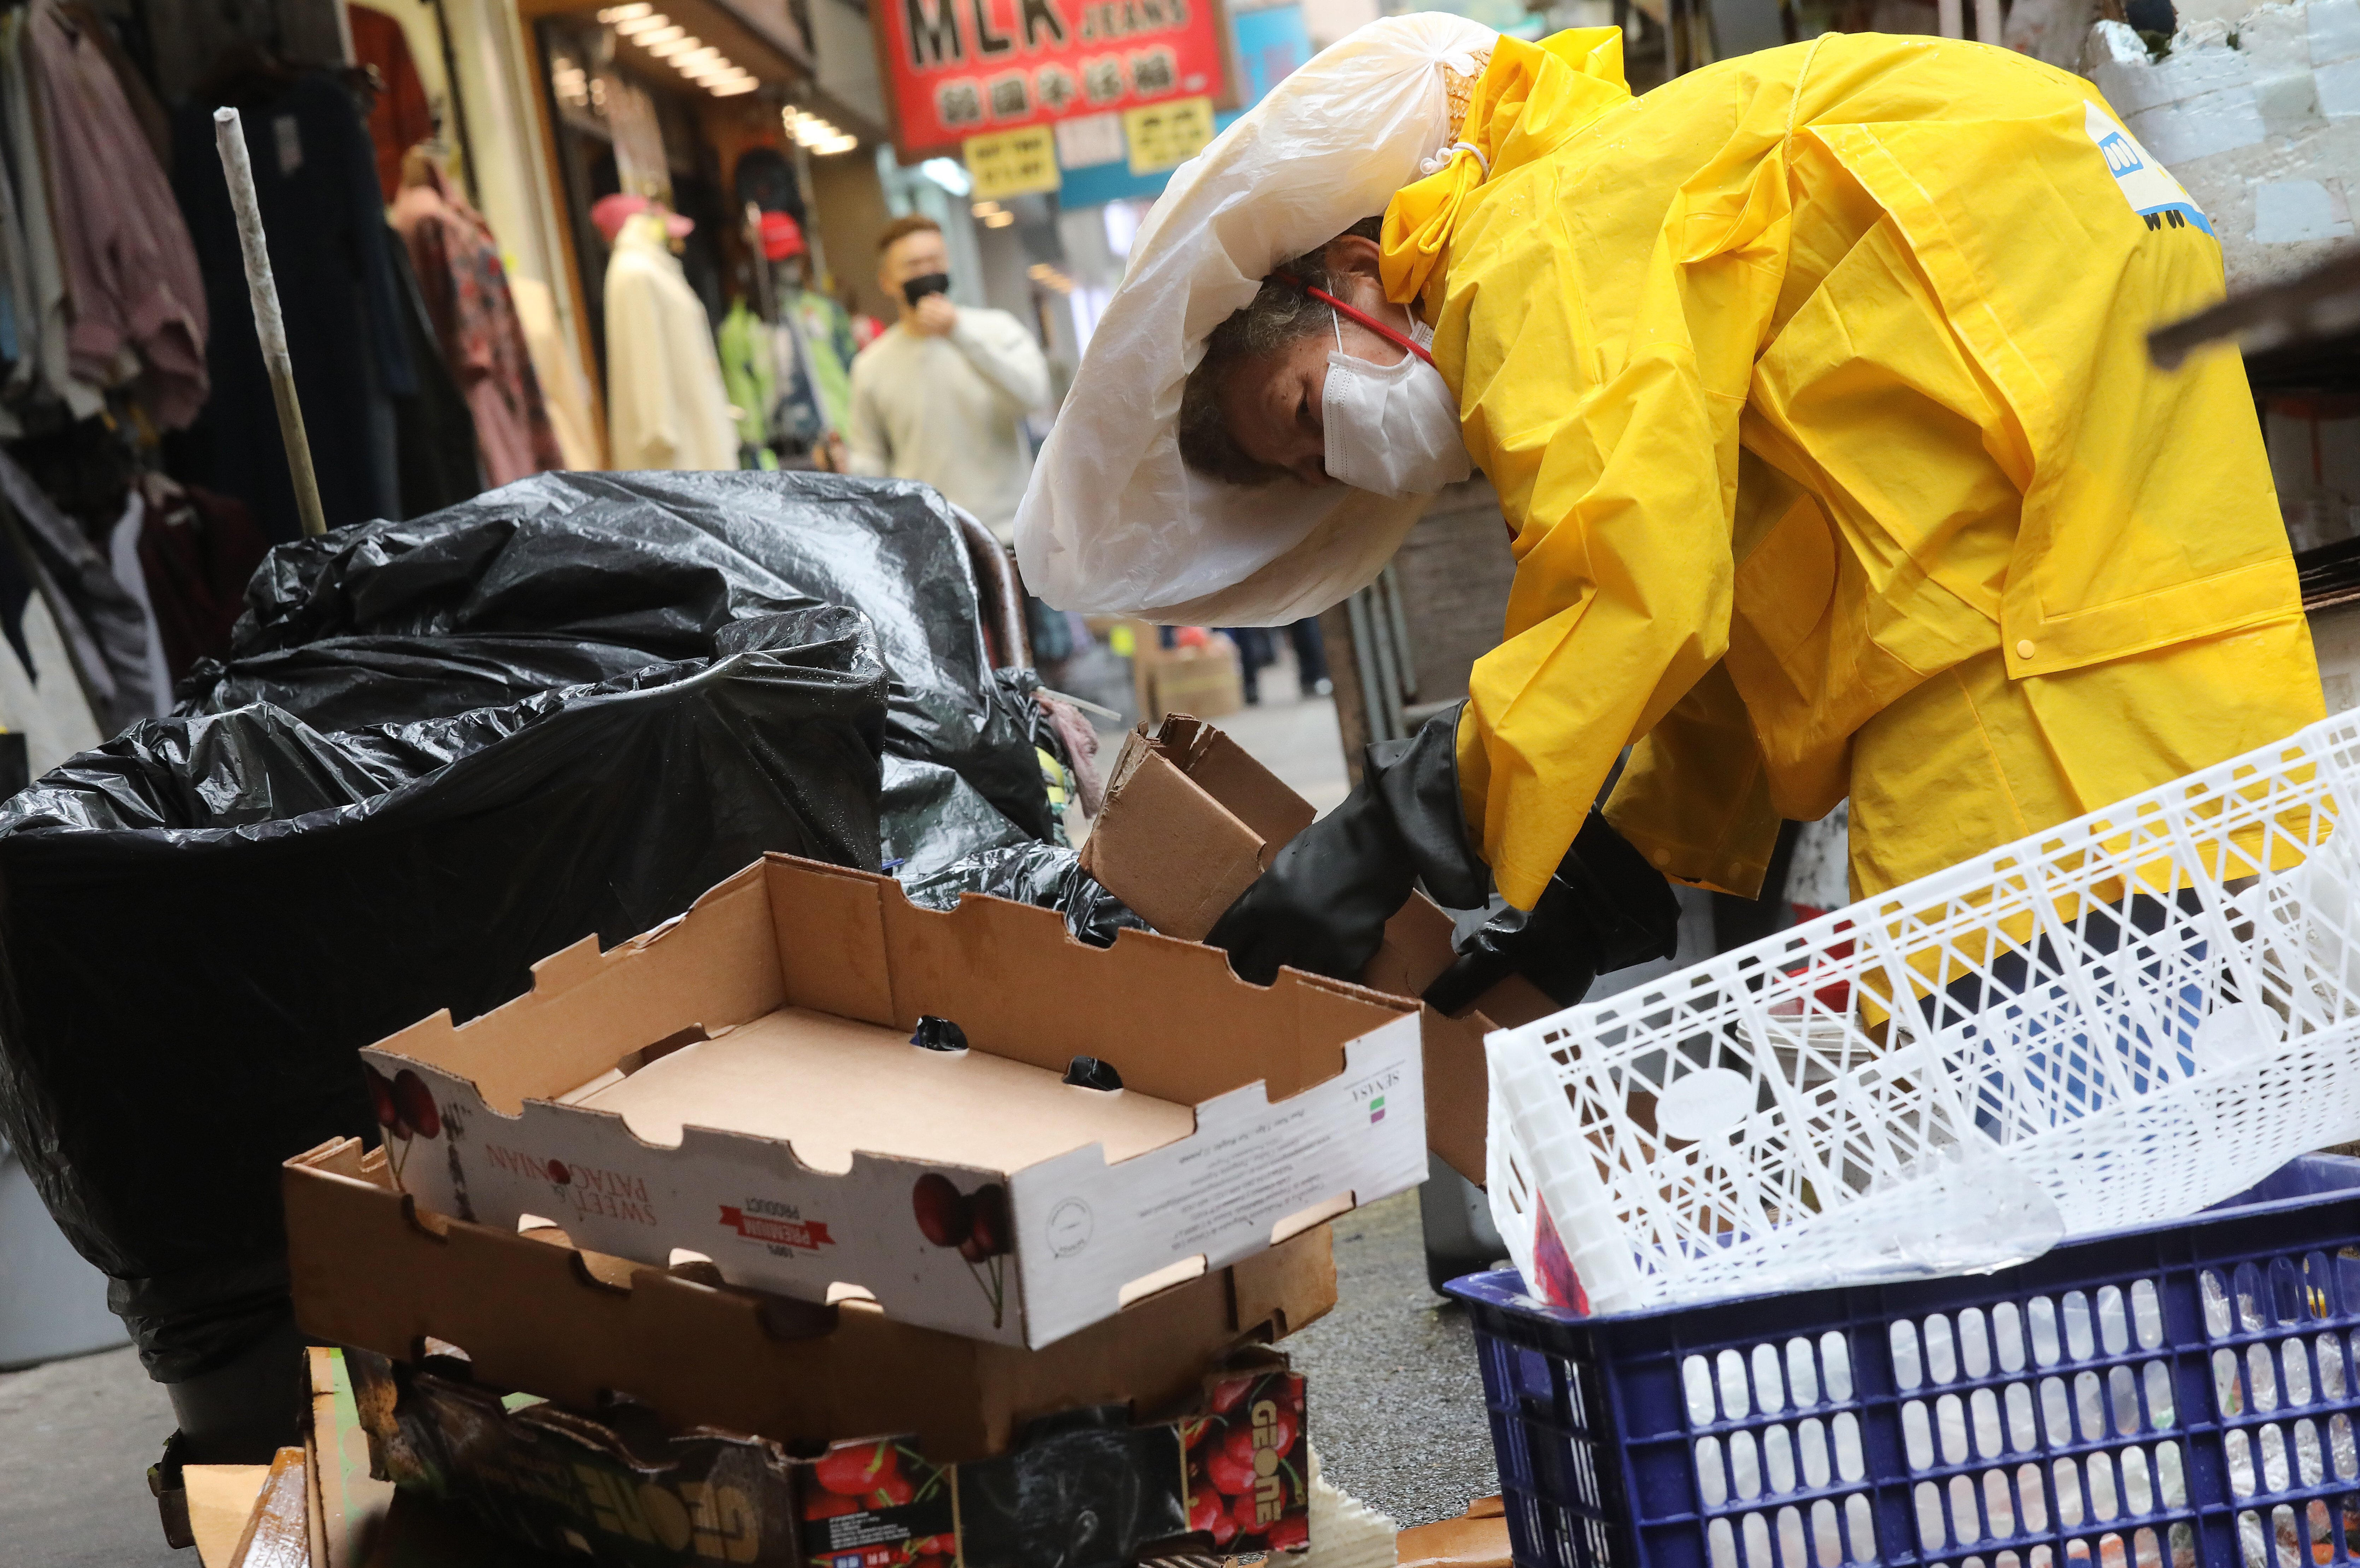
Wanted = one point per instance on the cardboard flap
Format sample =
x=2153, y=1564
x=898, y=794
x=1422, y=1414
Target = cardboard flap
x=1233, y=776
x=1182, y=859
x=1270, y=1287
x=830, y=938
x=1214, y=1034
x=567, y=967
x=588, y=1009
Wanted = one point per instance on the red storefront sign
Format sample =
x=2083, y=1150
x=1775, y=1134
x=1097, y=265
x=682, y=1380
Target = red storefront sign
x=960, y=68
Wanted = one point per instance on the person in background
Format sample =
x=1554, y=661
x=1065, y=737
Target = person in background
x=1257, y=650
x=941, y=396
x=818, y=327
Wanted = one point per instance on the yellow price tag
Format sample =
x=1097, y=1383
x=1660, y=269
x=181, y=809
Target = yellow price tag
x=1165, y=135
x=1011, y=163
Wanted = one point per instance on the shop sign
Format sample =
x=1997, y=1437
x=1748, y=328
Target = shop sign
x=1091, y=139
x=1166, y=136
x=1011, y=163
x=959, y=69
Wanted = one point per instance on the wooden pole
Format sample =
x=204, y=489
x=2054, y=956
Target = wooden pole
x=269, y=325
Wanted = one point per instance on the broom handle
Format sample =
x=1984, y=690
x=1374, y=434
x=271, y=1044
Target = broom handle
x=269, y=325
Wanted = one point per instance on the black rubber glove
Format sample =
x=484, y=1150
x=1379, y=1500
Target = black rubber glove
x=1323, y=904
x=1605, y=909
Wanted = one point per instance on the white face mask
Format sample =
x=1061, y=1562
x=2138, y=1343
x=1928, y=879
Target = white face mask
x=1392, y=429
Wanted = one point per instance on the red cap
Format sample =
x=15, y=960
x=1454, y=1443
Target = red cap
x=781, y=236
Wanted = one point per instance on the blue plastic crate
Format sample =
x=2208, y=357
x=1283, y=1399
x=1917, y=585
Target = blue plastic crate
x=2179, y=1395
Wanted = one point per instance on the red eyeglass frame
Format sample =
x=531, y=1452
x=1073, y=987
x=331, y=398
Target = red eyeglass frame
x=1362, y=317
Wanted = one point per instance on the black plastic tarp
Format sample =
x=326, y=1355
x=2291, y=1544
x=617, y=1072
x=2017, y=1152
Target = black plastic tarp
x=1048, y=874
x=202, y=920
x=577, y=577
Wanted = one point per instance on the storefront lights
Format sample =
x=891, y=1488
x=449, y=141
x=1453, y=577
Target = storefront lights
x=647, y=22
x=844, y=142
x=667, y=48
x=618, y=14
x=731, y=89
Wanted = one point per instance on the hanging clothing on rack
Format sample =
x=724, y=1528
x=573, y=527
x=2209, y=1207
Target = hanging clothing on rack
x=666, y=407
x=46, y=365
x=197, y=550
x=457, y=263
x=824, y=334
x=137, y=296
x=40, y=696
x=123, y=558
x=20, y=314
x=146, y=110
x=744, y=344
x=434, y=431
x=564, y=390
x=315, y=179
x=402, y=117
x=103, y=627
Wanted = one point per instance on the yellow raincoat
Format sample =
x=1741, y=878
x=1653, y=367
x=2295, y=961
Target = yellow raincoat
x=1815, y=386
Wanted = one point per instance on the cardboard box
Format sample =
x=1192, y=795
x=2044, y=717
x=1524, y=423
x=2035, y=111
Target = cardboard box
x=1088, y=1489
x=369, y=1269
x=1477, y=1538
x=1207, y=680
x=1191, y=819
x=741, y=1084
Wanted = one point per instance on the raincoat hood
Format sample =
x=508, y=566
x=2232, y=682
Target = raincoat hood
x=1113, y=521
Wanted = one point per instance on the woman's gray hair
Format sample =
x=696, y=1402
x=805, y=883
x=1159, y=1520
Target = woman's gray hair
x=1280, y=314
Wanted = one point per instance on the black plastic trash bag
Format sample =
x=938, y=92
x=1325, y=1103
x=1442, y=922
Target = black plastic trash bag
x=564, y=578
x=200, y=921
x=1048, y=874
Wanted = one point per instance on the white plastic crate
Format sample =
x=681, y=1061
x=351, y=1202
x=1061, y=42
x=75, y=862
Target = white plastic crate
x=2123, y=1019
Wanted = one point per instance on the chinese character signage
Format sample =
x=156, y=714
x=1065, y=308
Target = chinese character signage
x=1011, y=163
x=1165, y=135
x=960, y=69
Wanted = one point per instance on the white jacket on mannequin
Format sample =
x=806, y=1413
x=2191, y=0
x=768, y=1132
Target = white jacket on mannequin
x=666, y=407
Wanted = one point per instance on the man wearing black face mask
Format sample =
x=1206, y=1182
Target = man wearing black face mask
x=939, y=397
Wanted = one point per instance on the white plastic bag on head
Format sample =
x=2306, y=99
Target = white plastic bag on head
x=1113, y=522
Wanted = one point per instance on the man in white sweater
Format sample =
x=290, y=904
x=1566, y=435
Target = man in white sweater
x=941, y=395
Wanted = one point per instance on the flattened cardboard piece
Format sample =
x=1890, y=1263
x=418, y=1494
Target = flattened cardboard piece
x=350, y=1502
x=220, y=1500
x=278, y=1532
x=1087, y=1490
x=369, y=1269
x=563, y=1482
x=1305, y=1098
x=1477, y=1538
x=1191, y=819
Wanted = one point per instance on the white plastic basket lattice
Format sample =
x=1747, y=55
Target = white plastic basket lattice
x=2120, y=1019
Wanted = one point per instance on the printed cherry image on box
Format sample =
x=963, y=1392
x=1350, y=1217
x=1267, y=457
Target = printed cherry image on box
x=756, y=1084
